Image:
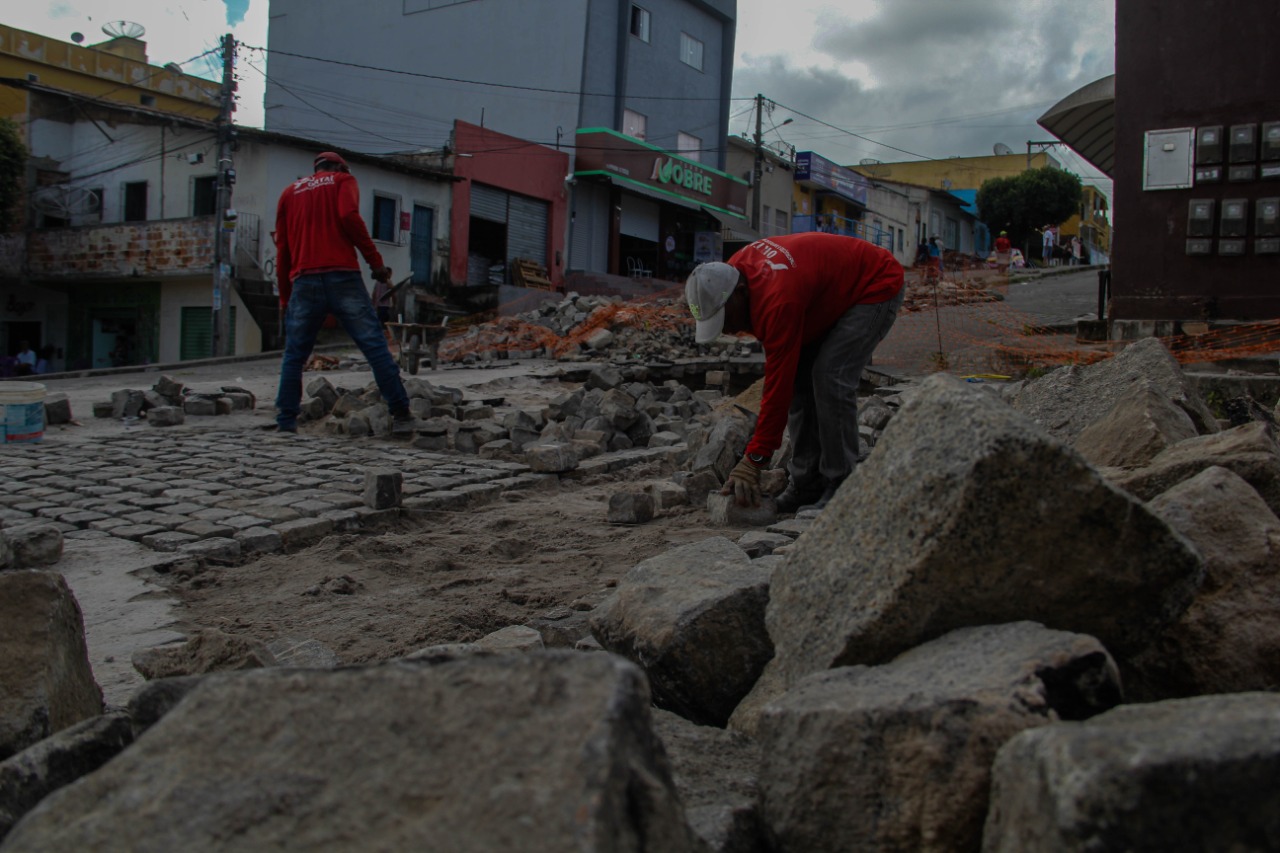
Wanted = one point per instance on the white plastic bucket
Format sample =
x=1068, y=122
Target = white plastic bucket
x=21, y=412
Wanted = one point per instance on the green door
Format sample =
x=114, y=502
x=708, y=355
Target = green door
x=197, y=333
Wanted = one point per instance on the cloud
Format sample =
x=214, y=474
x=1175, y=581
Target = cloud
x=942, y=78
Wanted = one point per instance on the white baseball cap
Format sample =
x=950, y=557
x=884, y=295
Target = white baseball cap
x=709, y=287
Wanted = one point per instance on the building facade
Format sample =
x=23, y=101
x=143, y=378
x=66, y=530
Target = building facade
x=114, y=266
x=654, y=76
x=1197, y=162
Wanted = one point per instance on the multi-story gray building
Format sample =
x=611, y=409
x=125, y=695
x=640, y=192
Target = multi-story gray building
x=590, y=77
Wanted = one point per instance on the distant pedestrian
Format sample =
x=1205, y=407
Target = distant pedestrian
x=1050, y=242
x=26, y=359
x=1077, y=250
x=935, y=257
x=318, y=230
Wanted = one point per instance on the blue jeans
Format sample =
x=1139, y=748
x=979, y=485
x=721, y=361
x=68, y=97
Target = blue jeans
x=823, y=420
x=343, y=295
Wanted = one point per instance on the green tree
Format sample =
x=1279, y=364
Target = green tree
x=1025, y=203
x=13, y=169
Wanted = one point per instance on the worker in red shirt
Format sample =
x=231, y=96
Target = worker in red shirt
x=819, y=304
x=318, y=230
x=1003, y=247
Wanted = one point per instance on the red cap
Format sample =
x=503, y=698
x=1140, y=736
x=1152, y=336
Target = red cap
x=329, y=157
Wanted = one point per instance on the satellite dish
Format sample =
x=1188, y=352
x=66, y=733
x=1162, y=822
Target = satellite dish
x=868, y=161
x=65, y=201
x=124, y=29
x=77, y=37
x=946, y=183
x=1001, y=149
x=174, y=67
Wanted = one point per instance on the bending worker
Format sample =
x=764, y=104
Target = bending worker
x=318, y=230
x=819, y=304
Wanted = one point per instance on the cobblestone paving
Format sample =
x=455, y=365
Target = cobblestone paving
x=223, y=494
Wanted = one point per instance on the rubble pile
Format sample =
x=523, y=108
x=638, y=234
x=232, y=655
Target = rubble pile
x=925, y=295
x=168, y=402
x=985, y=641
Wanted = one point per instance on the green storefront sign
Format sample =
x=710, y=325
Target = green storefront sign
x=629, y=161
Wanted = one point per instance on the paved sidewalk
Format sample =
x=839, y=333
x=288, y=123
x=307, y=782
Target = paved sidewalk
x=224, y=494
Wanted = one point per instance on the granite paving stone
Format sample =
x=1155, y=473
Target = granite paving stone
x=86, y=534
x=205, y=529
x=303, y=531
x=214, y=548
x=210, y=513
x=108, y=524
x=244, y=522
x=259, y=540
x=186, y=494
x=83, y=518
x=170, y=540
x=275, y=514
x=343, y=519
x=136, y=531
x=183, y=508
x=312, y=506
x=343, y=501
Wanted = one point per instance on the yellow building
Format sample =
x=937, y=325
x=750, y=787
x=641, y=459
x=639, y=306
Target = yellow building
x=957, y=173
x=1092, y=222
x=114, y=71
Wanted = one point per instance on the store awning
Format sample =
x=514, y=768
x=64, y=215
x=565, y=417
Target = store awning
x=1086, y=121
x=732, y=227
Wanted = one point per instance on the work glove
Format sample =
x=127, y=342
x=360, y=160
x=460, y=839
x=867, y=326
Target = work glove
x=382, y=274
x=743, y=483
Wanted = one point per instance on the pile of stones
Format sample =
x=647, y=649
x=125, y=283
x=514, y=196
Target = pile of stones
x=168, y=402
x=1042, y=618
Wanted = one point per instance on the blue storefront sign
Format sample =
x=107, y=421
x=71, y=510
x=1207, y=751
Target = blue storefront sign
x=820, y=171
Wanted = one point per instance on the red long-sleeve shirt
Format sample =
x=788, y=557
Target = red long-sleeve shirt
x=319, y=228
x=798, y=286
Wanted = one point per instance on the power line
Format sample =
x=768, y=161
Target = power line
x=448, y=79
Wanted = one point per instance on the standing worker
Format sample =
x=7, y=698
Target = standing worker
x=1003, y=248
x=318, y=229
x=819, y=304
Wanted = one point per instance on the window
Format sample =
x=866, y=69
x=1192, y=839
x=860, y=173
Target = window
x=690, y=51
x=147, y=100
x=634, y=124
x=384, y=218
x=780, y=222
x=204, y=195
x=766, y=216
x=640, y=23
x=134, y=198
x=690, y=146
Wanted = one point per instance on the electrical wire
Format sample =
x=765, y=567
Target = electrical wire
x=445, y=78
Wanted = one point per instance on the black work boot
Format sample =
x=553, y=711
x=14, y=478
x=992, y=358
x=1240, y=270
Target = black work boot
x=793, y=497
x=825, y=498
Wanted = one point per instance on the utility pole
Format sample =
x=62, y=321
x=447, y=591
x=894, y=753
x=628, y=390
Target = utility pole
x=758, y=172
x=222, y=227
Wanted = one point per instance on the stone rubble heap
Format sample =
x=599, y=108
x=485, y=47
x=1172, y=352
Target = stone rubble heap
x=168, y=402
x=985, y=641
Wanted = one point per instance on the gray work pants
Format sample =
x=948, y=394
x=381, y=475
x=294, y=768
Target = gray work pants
x=823, y=420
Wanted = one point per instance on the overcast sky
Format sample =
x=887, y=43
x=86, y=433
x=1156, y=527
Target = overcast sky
x=914, y=78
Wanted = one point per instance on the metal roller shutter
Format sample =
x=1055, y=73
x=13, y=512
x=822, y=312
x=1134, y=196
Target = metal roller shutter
x=639, y=218
x=527, y=229
x=488, y=203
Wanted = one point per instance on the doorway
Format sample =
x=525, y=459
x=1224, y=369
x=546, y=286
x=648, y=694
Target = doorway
x=421, y=229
